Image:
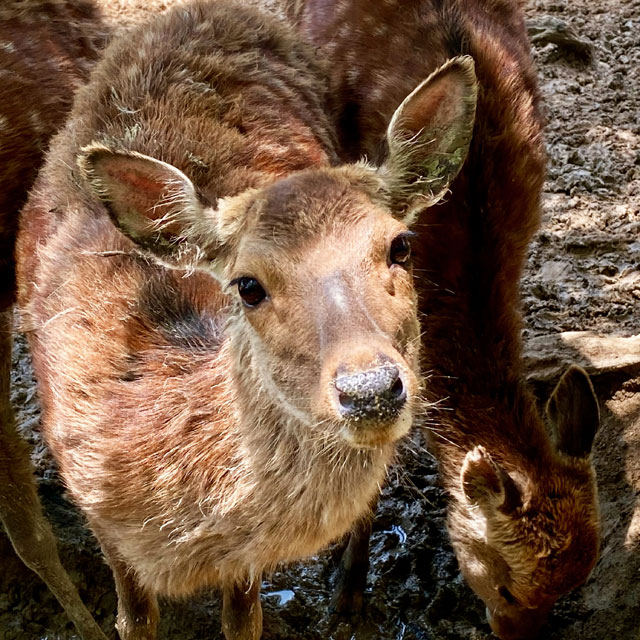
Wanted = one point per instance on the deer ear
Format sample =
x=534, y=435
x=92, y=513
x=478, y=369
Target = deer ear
x=154, y=204
x=429, y=136
x=573, y=413
x=486, y=484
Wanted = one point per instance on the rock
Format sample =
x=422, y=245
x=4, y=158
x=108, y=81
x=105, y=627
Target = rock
x=576, y=157
x=547, y=29
x=546, y=357
x=554, y=270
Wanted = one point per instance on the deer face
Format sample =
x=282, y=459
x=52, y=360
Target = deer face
x=522, y=542
x=318, y=262
x=324, y=292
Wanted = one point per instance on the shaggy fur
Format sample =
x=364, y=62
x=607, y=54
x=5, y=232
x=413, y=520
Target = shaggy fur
x=47, y=50
x=471, y=252
x=202, y=438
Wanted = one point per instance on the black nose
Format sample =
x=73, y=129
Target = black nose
x=374, y=394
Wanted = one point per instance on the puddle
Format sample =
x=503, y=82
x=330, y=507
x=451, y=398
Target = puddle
x=284, y=596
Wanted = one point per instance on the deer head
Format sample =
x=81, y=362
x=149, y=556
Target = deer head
x=524, y=541
x=317, y=263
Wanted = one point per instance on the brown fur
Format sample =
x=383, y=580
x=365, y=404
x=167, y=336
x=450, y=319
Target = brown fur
x=20, y=509
x=125, y=14
x=204, y=440
x=46, y=50
x=471, y=253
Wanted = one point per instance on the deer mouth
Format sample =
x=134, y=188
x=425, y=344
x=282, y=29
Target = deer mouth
x=523, y=625
x=369, y=432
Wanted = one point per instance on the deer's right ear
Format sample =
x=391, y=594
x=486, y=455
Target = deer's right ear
x=156, y=205
x=487, y=485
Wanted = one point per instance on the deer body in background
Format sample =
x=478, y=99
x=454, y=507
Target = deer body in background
x=46, y=50
x=222, y=317
x=523, y=514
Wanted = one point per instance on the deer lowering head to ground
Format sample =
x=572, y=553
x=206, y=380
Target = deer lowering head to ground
x=222, y=318
x=523, y=512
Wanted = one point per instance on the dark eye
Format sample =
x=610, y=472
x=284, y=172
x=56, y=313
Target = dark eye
x=250, y=291
x=400, y=250
x=507, y=595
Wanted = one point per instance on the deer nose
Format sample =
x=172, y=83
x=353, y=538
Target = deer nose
x=377, y=393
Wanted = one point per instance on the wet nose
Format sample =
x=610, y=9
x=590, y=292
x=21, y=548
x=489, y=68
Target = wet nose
x=377, y=393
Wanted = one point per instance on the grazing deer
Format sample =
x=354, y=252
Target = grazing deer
x=523, y=512
x=222, y=317
x=46, y=50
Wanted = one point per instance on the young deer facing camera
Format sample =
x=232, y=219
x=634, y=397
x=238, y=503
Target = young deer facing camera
x=523, y=512
x=222, y=318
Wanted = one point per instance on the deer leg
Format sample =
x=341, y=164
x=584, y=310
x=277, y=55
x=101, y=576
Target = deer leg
x=241, y=611
x=20, y=509
x=138, y=614
x=351, y=582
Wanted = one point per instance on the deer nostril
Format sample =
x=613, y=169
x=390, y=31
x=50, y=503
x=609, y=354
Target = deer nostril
x=346, y=401
x=397, y=389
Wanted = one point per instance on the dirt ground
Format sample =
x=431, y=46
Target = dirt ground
x=583, y=275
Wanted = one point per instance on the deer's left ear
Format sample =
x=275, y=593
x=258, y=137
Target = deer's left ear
x=574, y=413
x=429, y=136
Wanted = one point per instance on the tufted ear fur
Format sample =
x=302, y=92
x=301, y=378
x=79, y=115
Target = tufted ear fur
x=429, y=136
x=486, y=484
x=156, y=205
x=573, y=413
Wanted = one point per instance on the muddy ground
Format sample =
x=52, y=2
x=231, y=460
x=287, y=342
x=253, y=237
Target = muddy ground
x=583, y=275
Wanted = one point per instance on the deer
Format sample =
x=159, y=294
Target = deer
x=46, y=51
x=48, y=48
x=221, y=313
x=523, y=515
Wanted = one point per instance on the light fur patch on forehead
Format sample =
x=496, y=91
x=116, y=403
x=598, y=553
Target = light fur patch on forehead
x=345, y=242
x=313, y=203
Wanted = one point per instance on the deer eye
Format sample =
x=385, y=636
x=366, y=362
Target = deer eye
x=250, y=291
x=400, y=250
x=507, y=595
